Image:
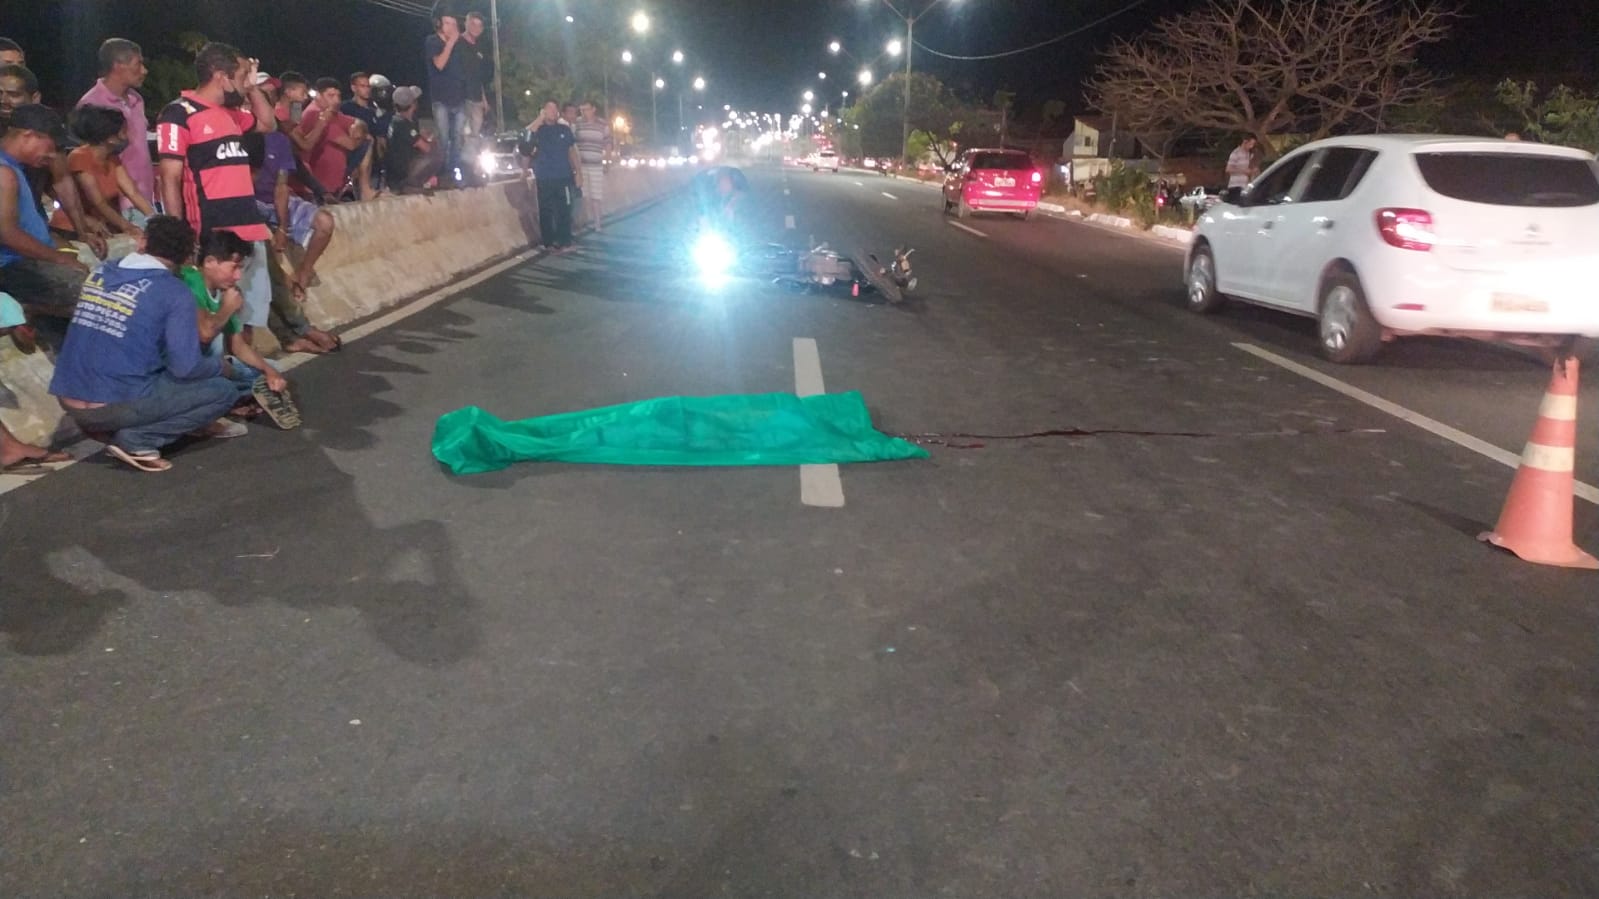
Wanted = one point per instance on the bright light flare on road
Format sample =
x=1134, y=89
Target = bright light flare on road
x=713, y=257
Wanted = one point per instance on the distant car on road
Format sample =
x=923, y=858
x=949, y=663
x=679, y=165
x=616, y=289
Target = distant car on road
x=1388, y=236
x=993, y=181
x=825, y=160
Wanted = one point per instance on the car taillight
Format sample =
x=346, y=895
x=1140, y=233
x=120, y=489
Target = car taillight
x=1407, y=229
x=1038, y=177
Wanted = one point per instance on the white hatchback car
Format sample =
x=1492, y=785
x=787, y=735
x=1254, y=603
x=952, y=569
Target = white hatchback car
x=1392, y=235
x=827, y=159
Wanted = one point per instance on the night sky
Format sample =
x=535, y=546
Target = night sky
x=759, y=53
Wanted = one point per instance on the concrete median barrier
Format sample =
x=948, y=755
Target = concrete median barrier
x=383, y=254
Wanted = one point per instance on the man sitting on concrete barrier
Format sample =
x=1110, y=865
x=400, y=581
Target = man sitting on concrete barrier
x=412, y=158
x=131, y=365
x=44, y=279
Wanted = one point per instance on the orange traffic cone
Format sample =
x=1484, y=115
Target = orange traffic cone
x=1536, y=521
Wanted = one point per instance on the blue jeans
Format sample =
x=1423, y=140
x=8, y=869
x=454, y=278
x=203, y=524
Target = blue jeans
x=243, y=377
x=451, y=124
x=171, y=409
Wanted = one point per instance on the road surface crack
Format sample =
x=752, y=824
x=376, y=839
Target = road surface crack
x=957, y=440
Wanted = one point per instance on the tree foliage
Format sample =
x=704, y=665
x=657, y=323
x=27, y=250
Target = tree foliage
x=1561, y=116
x=938, y=118
x=1272, y=67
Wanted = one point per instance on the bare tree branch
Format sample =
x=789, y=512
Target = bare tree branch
x=1271, y=67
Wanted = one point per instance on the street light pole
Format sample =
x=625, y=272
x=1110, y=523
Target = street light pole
x=499, y=81
x=910, y=48
x=905, y=113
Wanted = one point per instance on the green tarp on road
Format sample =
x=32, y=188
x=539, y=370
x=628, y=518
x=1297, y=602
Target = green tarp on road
x=753, y=429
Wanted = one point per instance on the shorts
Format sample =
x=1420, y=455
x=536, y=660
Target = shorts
x=302, y=218
x=593, y=182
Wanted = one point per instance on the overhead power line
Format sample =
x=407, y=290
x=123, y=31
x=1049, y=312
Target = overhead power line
x=409, y=7
x=1031, y=47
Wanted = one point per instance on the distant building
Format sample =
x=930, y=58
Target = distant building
x=1092, y=135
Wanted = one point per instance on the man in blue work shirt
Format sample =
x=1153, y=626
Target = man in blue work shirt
x=131, y=364
x=557, y=173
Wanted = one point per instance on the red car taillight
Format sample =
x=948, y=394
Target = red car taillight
x=1038, y=177
x=1407, y=229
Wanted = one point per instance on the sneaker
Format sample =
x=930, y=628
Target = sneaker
x=143, y=460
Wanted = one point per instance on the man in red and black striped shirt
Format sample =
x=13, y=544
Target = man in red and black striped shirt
x=205, y=170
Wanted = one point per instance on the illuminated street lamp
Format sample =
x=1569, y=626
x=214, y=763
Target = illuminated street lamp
x=834, y=48
x=866, y=78
x=822, y=75
x=627, y=57
x=809, y=96
x=677, y=57
x=660, y=84
x=641, y=23
x=699, y=83
x=895, y=47
x=806, y=109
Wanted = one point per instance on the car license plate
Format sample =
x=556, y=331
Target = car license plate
x=1515, y=302
x=1004, y=182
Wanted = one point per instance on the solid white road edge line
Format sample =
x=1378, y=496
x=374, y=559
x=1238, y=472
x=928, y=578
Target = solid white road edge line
x=820, y=485
x=1430, y=425
x=968, y=229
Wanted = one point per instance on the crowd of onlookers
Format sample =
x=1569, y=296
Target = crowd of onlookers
x=226, y=215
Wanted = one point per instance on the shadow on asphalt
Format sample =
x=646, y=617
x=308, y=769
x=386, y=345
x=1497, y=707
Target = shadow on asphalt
x=67, y=572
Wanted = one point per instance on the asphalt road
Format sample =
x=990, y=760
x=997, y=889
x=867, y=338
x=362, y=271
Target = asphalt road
x=1241, y=642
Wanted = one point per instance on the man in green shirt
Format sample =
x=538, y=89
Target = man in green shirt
x=215, y=284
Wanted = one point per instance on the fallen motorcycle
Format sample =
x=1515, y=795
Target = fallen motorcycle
x=859, y=273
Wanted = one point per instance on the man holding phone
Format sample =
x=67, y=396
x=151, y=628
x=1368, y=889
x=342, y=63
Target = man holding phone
x=557, y=172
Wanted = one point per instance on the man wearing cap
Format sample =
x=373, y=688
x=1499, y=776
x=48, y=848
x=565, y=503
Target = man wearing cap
x=122, y=72
x=42, y=277
x=412, y=157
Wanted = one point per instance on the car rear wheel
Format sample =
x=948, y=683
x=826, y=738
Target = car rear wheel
x=1202, y=294
x=1349, y=334
x=1024, y=215
x=962, y=210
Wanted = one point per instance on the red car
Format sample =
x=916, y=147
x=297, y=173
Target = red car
x=993, y=181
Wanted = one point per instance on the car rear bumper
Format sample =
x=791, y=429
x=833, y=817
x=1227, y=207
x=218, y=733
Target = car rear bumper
x=1001, y=204
x=1551, y=298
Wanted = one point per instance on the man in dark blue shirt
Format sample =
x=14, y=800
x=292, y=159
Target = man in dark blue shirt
x=557, y=173
x=446, y=64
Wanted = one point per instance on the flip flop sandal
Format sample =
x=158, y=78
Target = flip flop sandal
x=280, y=406
x=145, y=460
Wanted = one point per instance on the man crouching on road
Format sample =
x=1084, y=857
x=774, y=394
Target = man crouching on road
x=215, y=285
x=131, y=364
